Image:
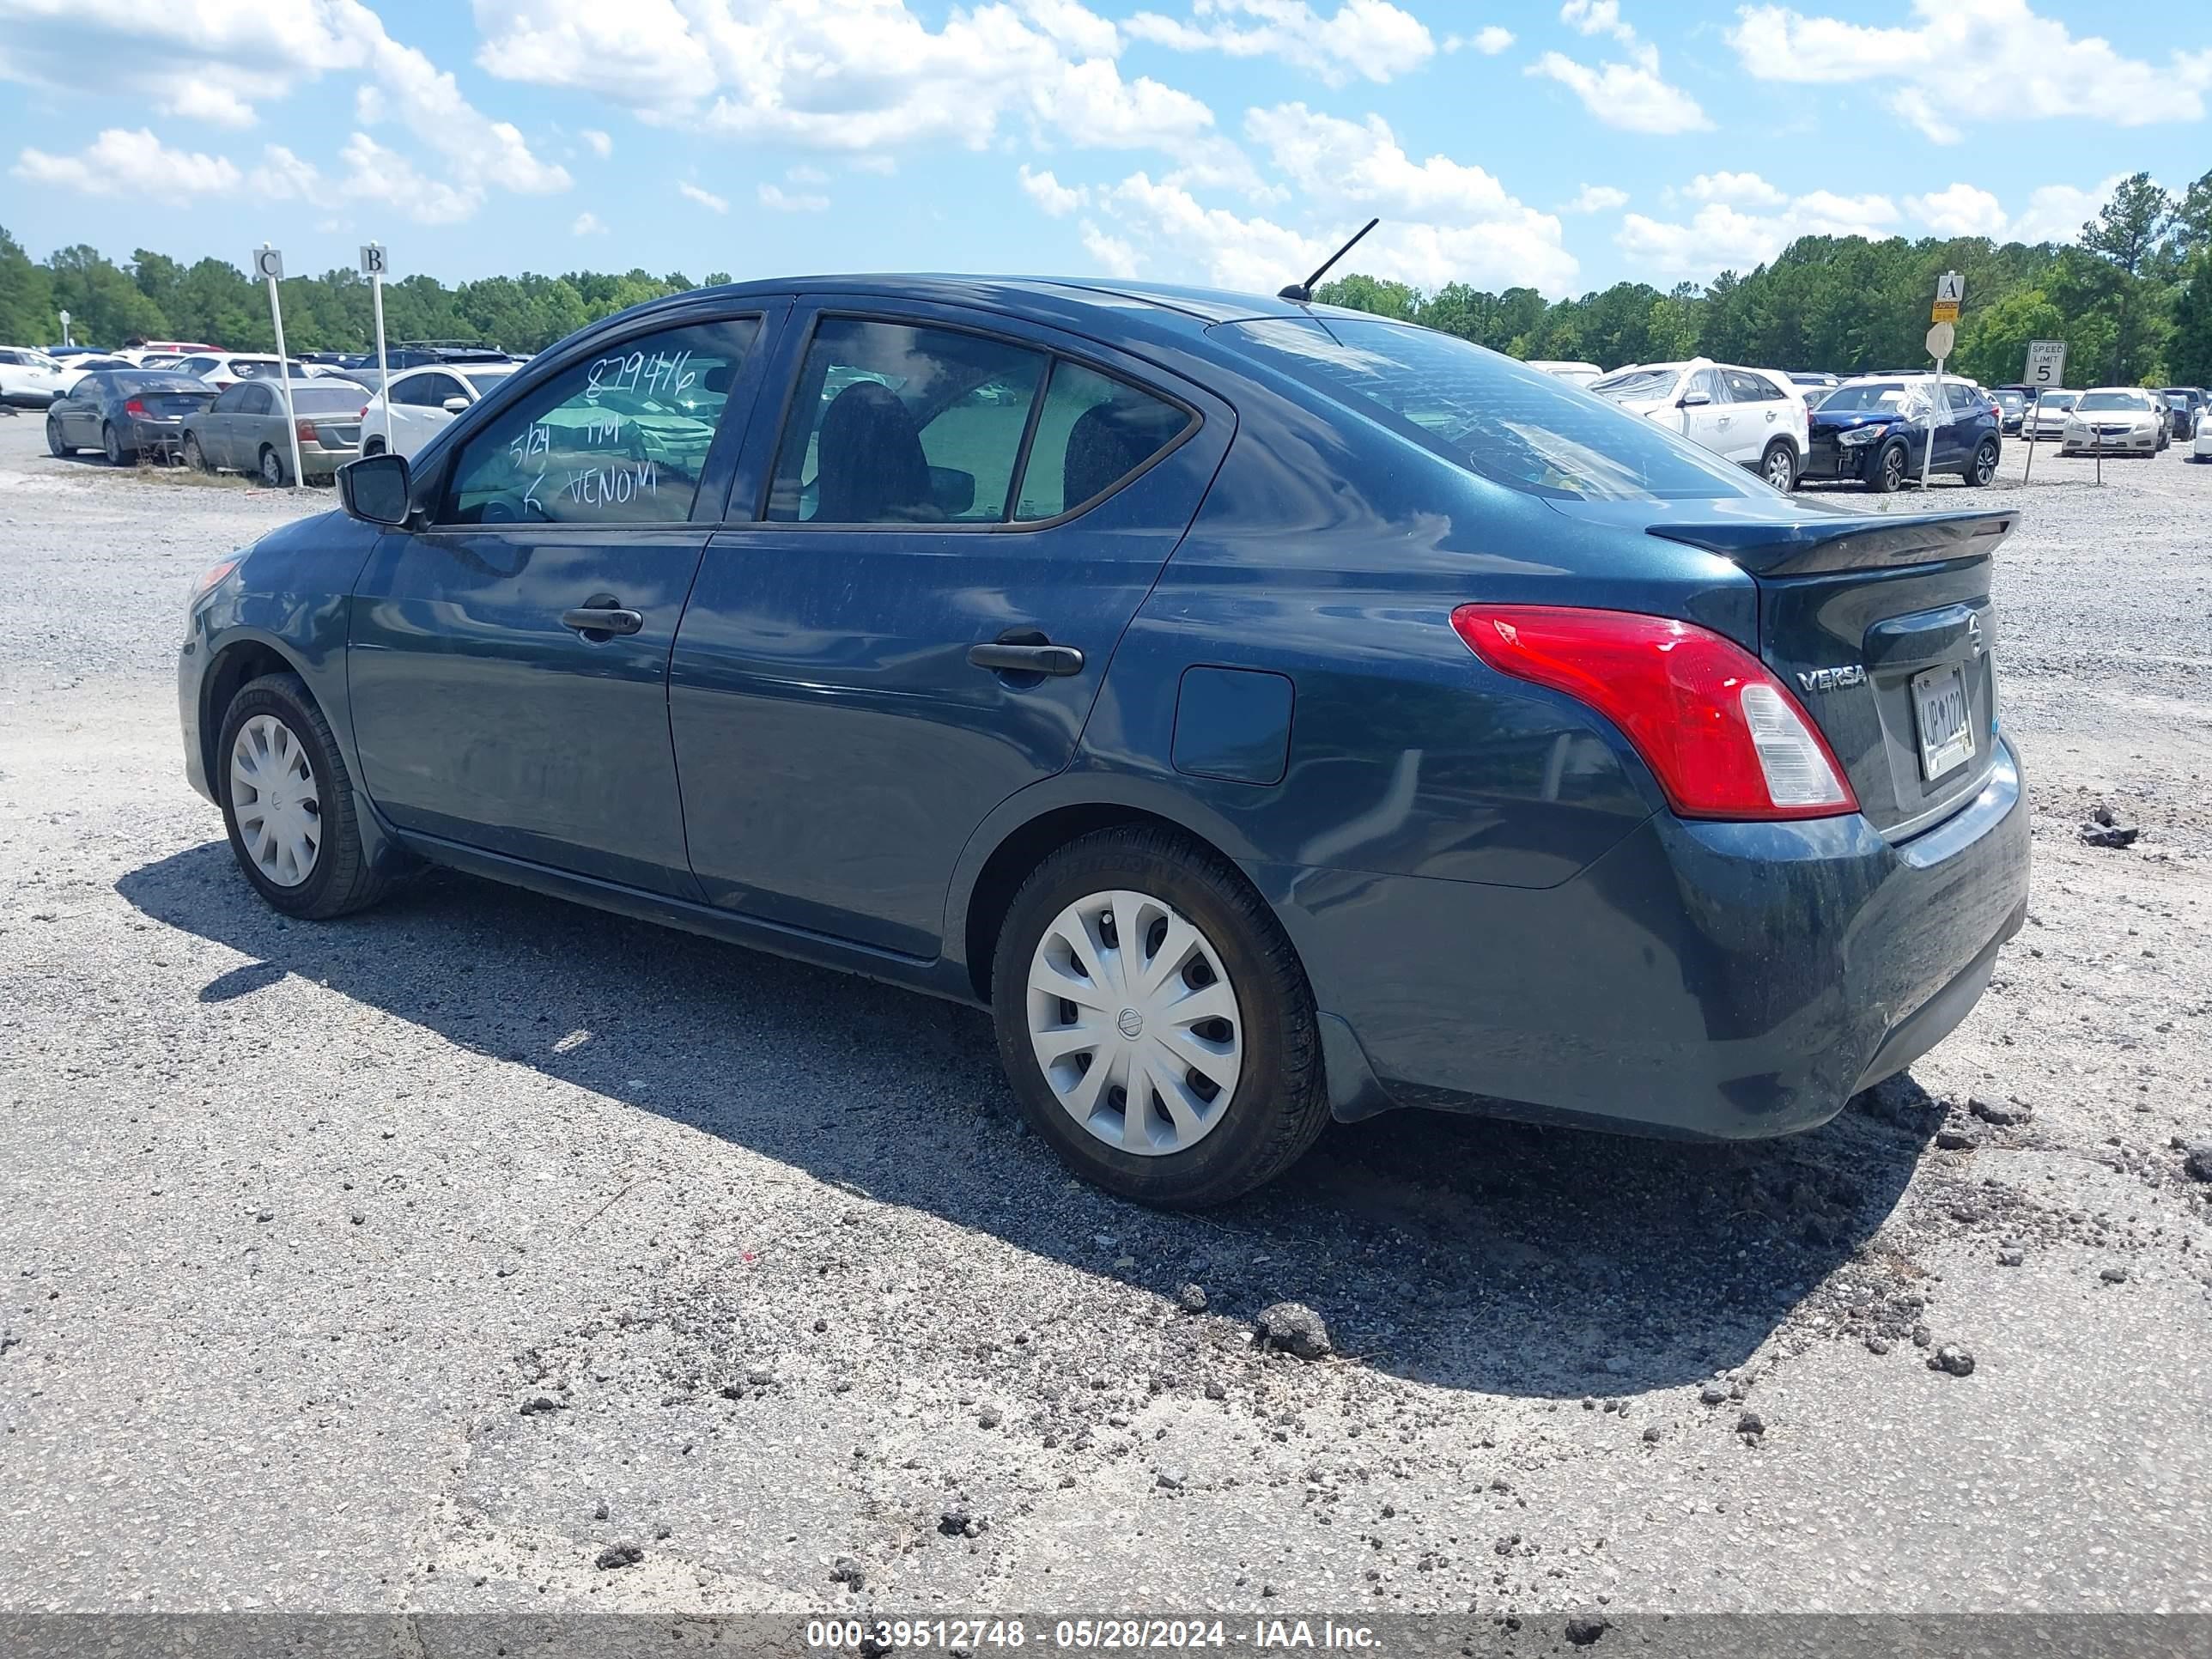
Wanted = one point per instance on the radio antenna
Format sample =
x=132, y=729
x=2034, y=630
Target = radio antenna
x=1302, y=293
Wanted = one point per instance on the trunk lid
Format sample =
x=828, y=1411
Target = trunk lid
x=1881, y=626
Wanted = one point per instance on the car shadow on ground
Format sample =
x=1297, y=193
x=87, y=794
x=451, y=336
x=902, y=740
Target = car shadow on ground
x=1464, y=1252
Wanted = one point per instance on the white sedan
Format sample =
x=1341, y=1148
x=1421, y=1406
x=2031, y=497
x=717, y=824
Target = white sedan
x=2112, y=419
x=419, y=404
x=29, y=378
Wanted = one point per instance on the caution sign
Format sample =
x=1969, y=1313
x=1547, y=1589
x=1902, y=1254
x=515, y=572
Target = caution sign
x=1950, y=289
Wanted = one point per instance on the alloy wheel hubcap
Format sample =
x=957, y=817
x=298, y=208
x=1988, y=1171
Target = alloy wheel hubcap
x=1134, y=1022
x=275, y=799
x=1777, y=469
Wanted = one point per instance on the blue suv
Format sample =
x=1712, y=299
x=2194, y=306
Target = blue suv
x=1269, y=712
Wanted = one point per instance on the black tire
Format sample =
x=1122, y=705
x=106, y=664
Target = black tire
x=112, y=446
x=341, y=880
x=1982, y=469
x=1888, y=471
x=195, y=457
x=1778, y=466
x=1280, y=1103
x=374, y=447
x=272, y=469
x=55, y=444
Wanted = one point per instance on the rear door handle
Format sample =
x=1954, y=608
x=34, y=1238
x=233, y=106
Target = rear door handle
x=603, y=618
x=1004, y=656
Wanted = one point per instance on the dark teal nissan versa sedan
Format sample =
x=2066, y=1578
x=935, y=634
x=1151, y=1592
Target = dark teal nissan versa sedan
x=1266, y=711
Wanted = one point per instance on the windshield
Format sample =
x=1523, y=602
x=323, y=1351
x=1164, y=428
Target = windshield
x=1500, y=419
x=1885, y=397
x=2010, y=399
x=1636, y=385
x=483, y=379
x=2133, y=402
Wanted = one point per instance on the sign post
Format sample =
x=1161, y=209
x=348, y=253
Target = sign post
x=373, y=265
x=2046, y=367
x=65, y=333
x=268, y=265
x=1940, y=338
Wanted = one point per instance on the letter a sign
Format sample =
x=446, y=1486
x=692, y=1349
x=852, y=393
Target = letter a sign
x=1950, y=289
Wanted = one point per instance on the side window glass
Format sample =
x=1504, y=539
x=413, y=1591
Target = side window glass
x=254, y=399
x=620, y=438
x=1709, y=382
x=896, y=424
x=229, y=402
x=1093, y=433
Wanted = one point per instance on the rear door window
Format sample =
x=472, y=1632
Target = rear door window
x=619, y=438
x=1094, y=432
x=1747, y=388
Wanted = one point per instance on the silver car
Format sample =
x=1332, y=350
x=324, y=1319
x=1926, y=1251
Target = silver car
x=243, y=430
x=2046, y=420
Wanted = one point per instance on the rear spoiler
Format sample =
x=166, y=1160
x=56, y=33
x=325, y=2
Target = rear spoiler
x=1856, y=543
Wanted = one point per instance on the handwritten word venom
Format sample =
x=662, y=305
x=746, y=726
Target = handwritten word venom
x=612, y=486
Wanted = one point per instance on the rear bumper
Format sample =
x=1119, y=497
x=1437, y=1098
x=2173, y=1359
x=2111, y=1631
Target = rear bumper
x=1712, y=980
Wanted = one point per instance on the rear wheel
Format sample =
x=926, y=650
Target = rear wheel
x=289, y=804
x=1889, y=470
x=272, y=467
x=1983, y=467
x=1155, y=1022
x=1779, y=466
x=56, y=444
x=374, y=447
x=111, y=444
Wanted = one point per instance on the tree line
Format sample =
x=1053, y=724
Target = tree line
x=2131, y=297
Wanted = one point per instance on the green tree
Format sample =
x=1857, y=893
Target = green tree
x=26, y=298
x=2130, y=236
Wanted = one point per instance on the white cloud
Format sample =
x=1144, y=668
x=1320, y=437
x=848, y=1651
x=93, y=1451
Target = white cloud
x=705, y=198
x=2056, y=213
x=1097, y=108
x=1369, y=39
x=1631, y=96
x=784, y=201
x=588, y=224
x=1959, y=210
x=1489, y=40
x=1597, y=18
x=1973, y=61
x=282, y=176
x=602, y=144
x=1443, y=220
x=1597, y=198
x=1721, y=235
x=1114, y=256
x=1736, y=189
x=1048, y=193
x=380, y=174
x=214, y=60
x=126, y=162
x=804, y=174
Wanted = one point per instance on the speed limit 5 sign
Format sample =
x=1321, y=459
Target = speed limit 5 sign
x=2046, y=364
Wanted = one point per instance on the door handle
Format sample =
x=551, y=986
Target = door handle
x=602, y=618
x=1031, y=655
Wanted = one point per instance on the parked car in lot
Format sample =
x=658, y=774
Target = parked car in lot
x=243, y=430
x=2200, y=447
x=2046, y=420
x=1813, y=384
x=422, y=402
x=227, y=369
x=2012, y=408
x=125, y=413
x=1756, y=417
x=950, y=630
x=28, y=378
x=75, y=369
x=2187, y=402
x=1575, y=373
x=2114, y=420
x=1876, y=431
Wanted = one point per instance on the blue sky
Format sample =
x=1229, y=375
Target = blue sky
x=1561, y=145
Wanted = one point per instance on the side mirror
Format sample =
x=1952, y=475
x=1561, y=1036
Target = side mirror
x=455, y=405
x=377, y=489
x=1692, y=400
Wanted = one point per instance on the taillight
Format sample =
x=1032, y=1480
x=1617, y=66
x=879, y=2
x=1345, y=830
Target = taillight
x=1724, y=737
x=306, y=432
x=134, y=407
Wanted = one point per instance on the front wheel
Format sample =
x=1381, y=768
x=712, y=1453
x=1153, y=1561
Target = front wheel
x=289, y=804
x=1779, y=466
x=1889, y=471
x=195, y=457
x=1155, y=1022
x=56, y=444
x=1983, y=467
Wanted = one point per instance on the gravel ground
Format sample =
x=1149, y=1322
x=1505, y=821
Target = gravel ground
x=442, y=1257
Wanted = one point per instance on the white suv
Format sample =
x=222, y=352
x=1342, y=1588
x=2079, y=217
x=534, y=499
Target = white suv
x=1754, y=417
x=28, y=377
x=420, y=402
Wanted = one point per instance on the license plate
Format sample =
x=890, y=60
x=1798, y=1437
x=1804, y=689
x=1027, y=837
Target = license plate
x=1945, y=720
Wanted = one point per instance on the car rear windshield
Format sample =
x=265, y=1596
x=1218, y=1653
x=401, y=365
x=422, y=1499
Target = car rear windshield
x=1500, y=419
x=163, y=383
x=1632, y=384
x=328, y=399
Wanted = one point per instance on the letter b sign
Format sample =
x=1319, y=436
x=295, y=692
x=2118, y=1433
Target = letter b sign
x=372, y=260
